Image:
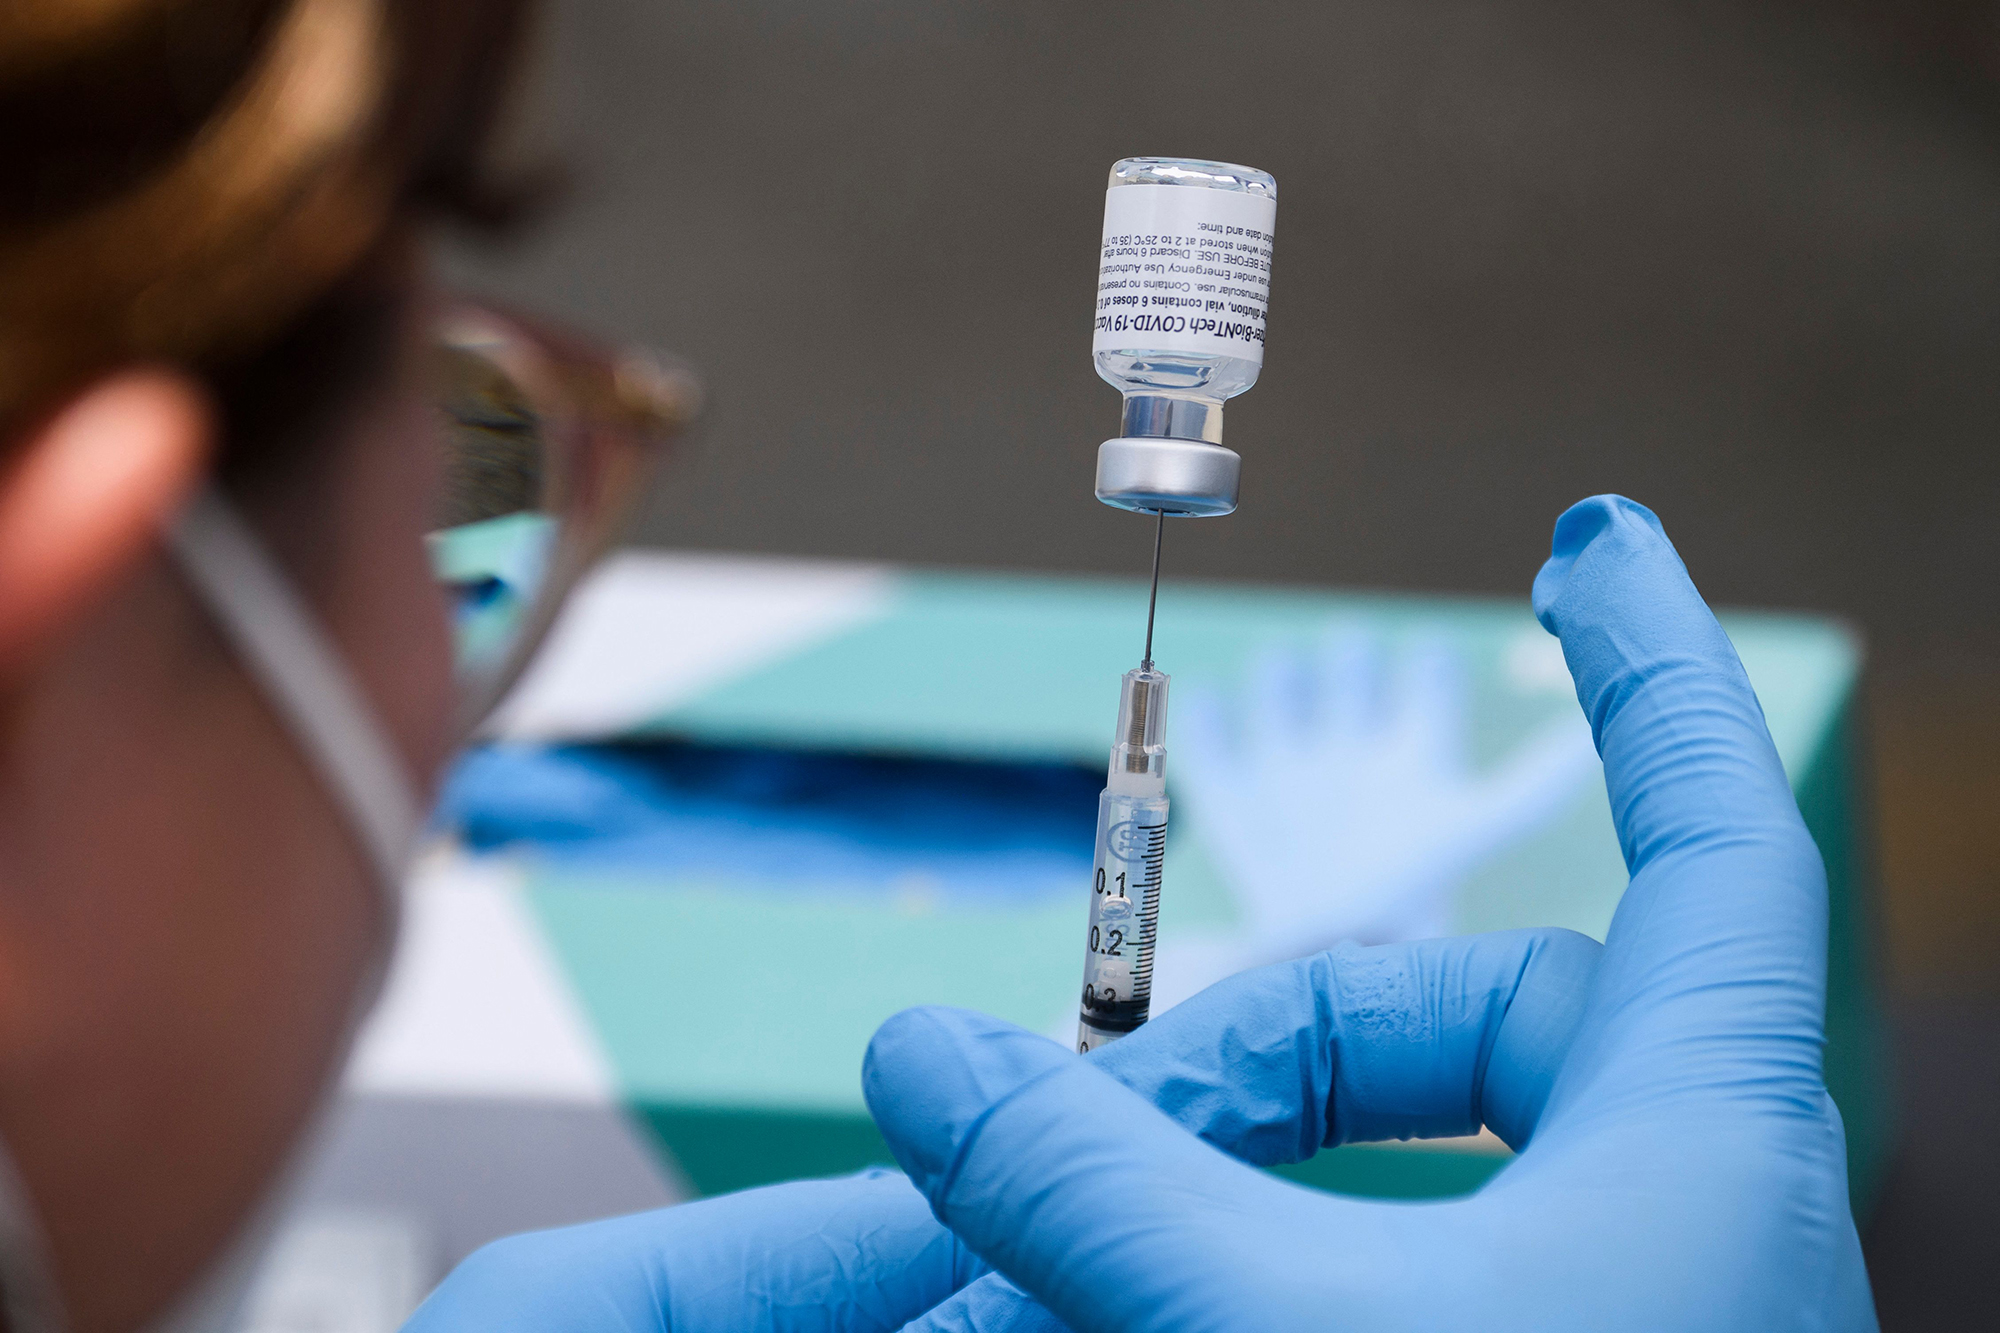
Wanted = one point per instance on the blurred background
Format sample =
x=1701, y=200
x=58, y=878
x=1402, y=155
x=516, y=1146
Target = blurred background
x=1738, y=260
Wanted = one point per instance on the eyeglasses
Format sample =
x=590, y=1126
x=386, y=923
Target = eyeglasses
x=548, y=444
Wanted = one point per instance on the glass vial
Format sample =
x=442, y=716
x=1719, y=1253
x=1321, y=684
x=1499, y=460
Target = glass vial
x=1183, y=284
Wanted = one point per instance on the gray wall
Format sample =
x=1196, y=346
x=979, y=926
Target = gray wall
x=1718, y=257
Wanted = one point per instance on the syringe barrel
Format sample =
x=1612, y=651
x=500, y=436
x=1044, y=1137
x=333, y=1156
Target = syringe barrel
x=1131, y=853
x=1124, y=917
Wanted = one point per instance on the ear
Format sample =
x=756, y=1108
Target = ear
x=85, y=494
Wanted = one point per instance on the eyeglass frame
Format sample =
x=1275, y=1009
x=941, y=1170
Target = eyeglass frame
x=607, y=417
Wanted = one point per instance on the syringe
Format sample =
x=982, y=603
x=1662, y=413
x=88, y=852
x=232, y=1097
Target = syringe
x=1131, y=853
x=1176, y=373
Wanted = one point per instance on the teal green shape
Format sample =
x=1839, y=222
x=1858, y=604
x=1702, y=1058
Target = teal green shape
x=1860, y=1075
x=736, y=1148
x=1397, y=1170
x=718, y=995
x=736, y=1014
x=1028, y=668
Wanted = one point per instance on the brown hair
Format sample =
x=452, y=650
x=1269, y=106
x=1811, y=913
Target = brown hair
x=189, y=177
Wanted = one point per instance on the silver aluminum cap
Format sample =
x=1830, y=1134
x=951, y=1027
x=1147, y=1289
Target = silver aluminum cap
x=1182, y=478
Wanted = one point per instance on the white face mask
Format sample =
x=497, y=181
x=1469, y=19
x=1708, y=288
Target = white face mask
x=306, y=682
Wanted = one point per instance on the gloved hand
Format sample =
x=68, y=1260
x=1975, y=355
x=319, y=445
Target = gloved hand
x=863, y=1252
x=857, y=1253
x=1687, y=1170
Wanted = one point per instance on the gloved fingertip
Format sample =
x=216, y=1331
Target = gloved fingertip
x=1580, y=525
x=931, y=1073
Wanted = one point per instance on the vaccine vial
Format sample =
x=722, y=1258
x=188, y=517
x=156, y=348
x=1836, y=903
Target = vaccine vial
x=1183, y=287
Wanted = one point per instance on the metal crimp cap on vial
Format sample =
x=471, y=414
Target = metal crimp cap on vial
x=1156, y=475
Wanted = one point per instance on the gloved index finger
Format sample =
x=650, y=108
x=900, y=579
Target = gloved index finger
x=1427, y=1039
x=1722, y=930
x=1683, y=739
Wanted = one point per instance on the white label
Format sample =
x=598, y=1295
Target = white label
x=1184, y=269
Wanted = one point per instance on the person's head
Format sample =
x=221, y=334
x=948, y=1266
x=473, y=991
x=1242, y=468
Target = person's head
x=208, y=275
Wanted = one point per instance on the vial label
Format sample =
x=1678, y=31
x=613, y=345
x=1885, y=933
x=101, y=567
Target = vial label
x=1184, y=269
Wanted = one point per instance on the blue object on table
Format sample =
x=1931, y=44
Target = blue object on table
x=794, y=820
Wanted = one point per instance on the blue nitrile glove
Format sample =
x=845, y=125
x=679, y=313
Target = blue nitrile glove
x=860, y=1252
x=1687, y=1171
x=1355, y=1045
x=864, y=1252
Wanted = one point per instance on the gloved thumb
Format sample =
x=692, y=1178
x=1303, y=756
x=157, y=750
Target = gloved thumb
x=1059, y=1175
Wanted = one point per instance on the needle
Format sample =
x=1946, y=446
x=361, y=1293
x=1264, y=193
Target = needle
x=1153, y=602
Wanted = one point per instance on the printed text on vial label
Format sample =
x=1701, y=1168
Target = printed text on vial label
x=1184, y=269
x=1213, y=282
